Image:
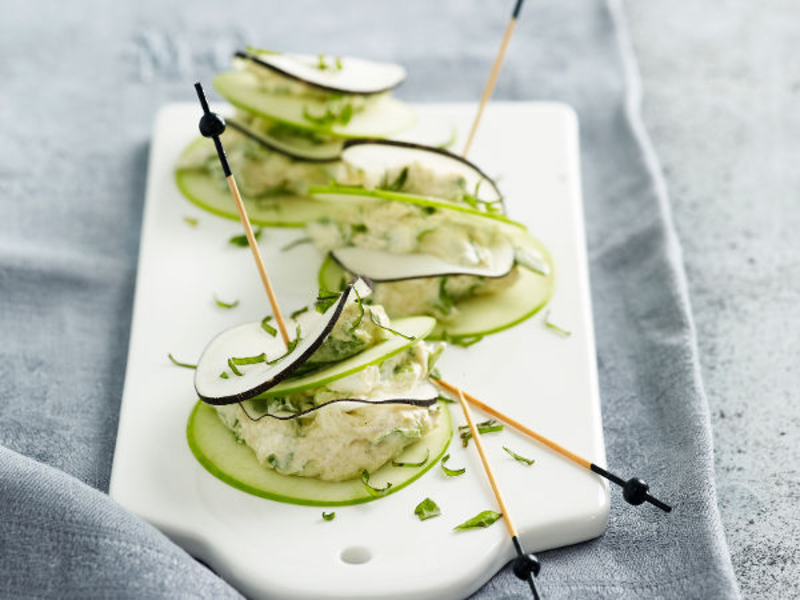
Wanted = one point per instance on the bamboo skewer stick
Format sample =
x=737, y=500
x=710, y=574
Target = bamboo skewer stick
x=493, y=74
x=526, y=566
x=634, y=490
x=212, y=126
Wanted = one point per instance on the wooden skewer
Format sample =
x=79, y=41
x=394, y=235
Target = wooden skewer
x=212, y=126
x=493, y=74
x=634, y=491
x=526, y=566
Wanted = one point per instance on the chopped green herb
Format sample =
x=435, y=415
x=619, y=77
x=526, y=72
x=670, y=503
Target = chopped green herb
x=223, y=304
x=390, y=330
x=248, y=360
x=488, y=426
x=445, y=399
x=553, y=327
x=191, y=221
x=338, y=63
x=446, y=302
x=299, y=312
x=374, y=492
x=451, y=140
x=233, y=368
x=520, y=458
x=357, y=323
x=241, y=240
x=330, y=117
x=413, y=464
x=289, y=347
x=435, y=374
x=223, y=375
x=268, y=328
x=397, y=184
x=427, y=509
x=464, y=341
x=178, y=363
x=452, y=472
x=326, y=299
x=296, y=243
x=481, y=520
x=329, y=516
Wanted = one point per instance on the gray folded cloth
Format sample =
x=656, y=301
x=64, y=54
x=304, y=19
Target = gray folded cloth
x=81, y=84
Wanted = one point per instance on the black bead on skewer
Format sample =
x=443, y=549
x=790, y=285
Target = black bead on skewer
x=526, y=566
x=212, y=126
x=635, y=490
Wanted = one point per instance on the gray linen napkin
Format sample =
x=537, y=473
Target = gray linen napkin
x=81, y=83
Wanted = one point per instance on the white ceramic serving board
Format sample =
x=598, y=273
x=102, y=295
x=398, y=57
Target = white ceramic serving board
x=274, y=550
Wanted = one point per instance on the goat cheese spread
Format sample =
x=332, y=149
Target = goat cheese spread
x=339, y=441
x=403, y=228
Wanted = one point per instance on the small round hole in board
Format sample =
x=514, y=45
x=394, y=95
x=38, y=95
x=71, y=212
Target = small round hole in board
x=356, y=555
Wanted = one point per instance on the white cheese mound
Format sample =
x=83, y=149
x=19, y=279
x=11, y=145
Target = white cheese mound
x=339, y=441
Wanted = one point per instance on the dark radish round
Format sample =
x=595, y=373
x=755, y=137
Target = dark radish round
x=344, y=75
x=378, y=155
x=251, y=340
x=383, y=266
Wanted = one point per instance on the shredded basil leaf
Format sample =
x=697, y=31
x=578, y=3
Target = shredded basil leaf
x=191, y=221
x=233, y=368
x=397, y=184
x=289, y=347
x=241, y=240
x=553, y=327
x=462, y=341
x=488, y=426
x=427, y=509
x=223, y=375
x=445, y=399
x=338, y=63
x=452, y=472
x=374, y=492
x=329, y=516
x=410, y=338
x=330, y=117
x=223, y=304
x=326, y=299
x=296, y=243
x=451, y=140
x=249, y=360
x=413, y=464
x=178, y=363
x=360, y=309
x=299, y=312
x=268, y=328
x=518, y=457
x=481, y=520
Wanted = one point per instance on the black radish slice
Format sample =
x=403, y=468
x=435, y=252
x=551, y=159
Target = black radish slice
x=324, y=152
x=378, y=156
x=248, y=353
x=216, y=448
x=380, y=265
x=338, y=193
x=424, y=394
x=339, y=74
x=479, y=316
x=382, y=116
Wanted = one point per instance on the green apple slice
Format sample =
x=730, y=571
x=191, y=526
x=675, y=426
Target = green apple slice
x=339, y=193
x=217, y=450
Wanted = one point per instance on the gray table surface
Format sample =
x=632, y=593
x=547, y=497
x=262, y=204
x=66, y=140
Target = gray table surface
x=721, y=97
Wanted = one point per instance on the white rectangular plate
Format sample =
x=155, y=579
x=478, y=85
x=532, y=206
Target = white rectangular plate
x=269, y=549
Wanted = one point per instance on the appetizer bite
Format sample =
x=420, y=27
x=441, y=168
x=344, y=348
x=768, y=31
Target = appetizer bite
x=346, y=414
x=429, y=229
x=293, y=113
